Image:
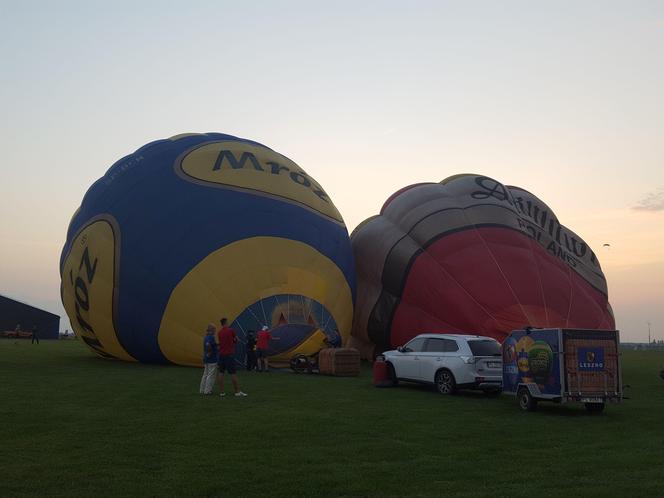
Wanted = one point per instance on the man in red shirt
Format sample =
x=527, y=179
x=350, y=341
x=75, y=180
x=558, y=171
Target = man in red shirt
x=227, y=339
x=262, y=341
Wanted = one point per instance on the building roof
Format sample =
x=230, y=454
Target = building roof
x=5, y=298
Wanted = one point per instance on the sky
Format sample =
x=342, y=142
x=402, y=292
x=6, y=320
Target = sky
x=561, y=98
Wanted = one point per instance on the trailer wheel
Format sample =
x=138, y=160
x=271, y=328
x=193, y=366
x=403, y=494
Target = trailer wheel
x=526, y=401
x=595, y=407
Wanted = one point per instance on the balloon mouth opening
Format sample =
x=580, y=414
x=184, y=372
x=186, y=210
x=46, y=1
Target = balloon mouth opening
x=291, y=320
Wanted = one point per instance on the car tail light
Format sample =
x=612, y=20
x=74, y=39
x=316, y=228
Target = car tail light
x=468, y=359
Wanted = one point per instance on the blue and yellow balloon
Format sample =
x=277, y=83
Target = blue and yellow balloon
x=197, y=227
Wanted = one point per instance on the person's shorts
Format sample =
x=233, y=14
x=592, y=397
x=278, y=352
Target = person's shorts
x=261, y=353
x=226, y=364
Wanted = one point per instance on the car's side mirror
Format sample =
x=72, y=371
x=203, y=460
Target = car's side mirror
x=400, y=349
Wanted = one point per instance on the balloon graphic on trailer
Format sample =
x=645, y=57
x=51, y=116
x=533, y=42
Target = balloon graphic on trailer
x=470, y=255
x=197, y=227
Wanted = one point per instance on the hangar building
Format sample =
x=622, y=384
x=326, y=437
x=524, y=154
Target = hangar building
x=14, y=312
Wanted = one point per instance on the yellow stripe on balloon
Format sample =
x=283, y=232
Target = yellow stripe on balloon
x=235, y=276
x=233, y=163
x=88, y=286
x=175, y=138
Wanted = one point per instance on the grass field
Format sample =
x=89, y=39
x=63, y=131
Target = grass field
x=76, y=425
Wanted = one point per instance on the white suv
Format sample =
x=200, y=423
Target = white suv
x=449, y=361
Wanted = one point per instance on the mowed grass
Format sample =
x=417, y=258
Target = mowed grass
x=76, y=425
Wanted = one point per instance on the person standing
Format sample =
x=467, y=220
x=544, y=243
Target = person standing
x=35, y=336
x=227, y=339
x=262, y=342
x=251, y=351
x=210, y=357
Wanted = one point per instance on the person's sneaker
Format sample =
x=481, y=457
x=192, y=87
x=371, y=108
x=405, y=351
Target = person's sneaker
x=239, y=394
x=222, y=394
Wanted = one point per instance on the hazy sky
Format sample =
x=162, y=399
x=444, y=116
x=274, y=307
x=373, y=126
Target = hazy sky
x=564, y=99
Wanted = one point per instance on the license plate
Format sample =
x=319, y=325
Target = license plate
x=493, y=364
x=592, y=400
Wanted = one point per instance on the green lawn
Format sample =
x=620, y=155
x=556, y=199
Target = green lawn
x=74, y=425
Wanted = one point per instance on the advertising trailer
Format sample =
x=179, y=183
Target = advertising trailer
x=562, y=365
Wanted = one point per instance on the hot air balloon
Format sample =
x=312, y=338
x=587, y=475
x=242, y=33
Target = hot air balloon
x=197, y=227
x=470, y=255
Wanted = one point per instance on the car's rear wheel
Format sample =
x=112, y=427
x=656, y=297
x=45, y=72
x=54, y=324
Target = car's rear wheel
x=526, y=401
x=445, y=383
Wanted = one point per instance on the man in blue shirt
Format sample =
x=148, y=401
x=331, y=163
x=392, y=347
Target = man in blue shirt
x=210, y=356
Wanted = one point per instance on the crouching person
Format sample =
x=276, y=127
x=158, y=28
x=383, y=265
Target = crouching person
x=210, y=357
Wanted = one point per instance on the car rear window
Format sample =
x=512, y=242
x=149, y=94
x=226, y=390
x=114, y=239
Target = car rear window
x=442, y=345
x=484, y=348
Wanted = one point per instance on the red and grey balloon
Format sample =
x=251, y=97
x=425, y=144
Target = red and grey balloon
x=471, y=255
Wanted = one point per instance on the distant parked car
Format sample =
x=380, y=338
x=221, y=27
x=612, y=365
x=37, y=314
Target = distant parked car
x=13, y=334
x=449, y=362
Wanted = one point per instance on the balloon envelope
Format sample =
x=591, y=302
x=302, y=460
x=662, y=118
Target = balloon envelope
x=197, y=227
x=471, y=255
